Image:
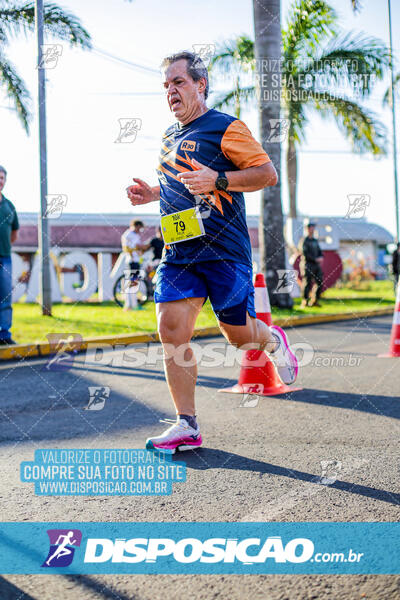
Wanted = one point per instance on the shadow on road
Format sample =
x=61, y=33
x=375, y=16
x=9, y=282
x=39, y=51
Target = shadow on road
x=9, y=591
x=386, y=406
x=211, y=458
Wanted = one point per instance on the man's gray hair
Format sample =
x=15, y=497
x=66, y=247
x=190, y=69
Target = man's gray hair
x=195, y=66
x=2, y=170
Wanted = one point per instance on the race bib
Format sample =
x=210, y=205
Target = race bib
x=180, y=226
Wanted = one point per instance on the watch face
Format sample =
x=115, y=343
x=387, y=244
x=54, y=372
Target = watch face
x=221, y=183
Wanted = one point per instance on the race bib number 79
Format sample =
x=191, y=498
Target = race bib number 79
x=181, y=226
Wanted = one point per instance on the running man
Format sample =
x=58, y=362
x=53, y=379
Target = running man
x=208, y=159
x=62, y=549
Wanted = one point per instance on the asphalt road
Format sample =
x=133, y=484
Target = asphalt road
x=258, y=463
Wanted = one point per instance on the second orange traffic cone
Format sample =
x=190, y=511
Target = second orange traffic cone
x=394, y=347
x=257, y=374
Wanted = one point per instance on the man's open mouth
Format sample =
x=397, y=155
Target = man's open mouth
x=175, y=102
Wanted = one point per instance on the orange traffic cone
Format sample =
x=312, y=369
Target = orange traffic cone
x=257, y=374
x=394, y=349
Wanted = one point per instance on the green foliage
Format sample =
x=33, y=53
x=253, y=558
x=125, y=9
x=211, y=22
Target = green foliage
x=18, y=18
x=317, y=62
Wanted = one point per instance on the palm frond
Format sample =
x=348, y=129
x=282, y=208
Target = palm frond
x=360, y=126
x=229, y=99
x=15, y=90
x=57, y=23
x=387, y=96
x=309, y=23
x=356, y=5
x=233, y=55
x=354, y=59
x=296, y=115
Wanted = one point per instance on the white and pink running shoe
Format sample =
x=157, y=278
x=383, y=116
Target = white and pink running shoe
x=179, y=436
x=283, y=358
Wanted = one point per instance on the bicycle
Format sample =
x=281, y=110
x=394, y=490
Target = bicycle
x=142, y=281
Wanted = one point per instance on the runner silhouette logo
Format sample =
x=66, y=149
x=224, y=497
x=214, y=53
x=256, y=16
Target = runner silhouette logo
x=62, y=547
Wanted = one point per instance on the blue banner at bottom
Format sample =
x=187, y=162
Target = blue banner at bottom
x=206, y=548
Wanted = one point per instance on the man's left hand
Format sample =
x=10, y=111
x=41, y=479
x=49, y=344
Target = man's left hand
x=200, y=181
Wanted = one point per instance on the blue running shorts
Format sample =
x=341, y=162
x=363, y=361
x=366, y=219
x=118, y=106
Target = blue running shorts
x=229, y=286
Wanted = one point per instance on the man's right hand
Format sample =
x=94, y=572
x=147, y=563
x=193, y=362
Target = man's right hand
x=141, y=193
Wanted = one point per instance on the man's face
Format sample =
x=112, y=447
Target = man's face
x=138, y=228
x=2, y=180
x=183, y=94
x=311, y=231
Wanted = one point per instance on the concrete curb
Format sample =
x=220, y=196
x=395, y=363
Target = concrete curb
x=44, y=349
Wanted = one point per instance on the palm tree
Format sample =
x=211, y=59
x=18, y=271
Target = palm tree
x=235, y=57
x=267, y=28
x=16, y=17
x=316, y=61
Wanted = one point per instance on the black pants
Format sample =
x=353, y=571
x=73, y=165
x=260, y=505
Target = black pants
x=312, y=273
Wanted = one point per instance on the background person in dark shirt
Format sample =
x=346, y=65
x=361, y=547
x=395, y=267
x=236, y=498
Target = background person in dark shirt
x=396, y=265
x=311, y=270
x=8, y=234
x=157, y=245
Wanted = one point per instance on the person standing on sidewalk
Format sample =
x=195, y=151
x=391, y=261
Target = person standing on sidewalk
x=396, y=265
x=311, y=270
x=8, y=234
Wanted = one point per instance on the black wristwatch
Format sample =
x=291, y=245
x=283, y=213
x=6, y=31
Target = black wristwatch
x=221, y=183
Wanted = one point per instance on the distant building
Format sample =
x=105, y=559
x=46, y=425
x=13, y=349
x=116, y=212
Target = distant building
x=352, y=238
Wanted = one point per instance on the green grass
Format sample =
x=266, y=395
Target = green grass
x=373, y=295
x=381, y=290
x=93, y=320
x=89, y=320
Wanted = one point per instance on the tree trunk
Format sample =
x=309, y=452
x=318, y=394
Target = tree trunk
x=267, y=26
x=291, y=161
x=237, y=99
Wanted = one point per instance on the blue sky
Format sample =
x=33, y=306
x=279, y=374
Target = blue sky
x=87, y=93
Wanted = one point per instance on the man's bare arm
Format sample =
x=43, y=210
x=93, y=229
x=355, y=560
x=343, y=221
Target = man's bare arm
x=252, y=179
x=202, y=180
x=14, y=235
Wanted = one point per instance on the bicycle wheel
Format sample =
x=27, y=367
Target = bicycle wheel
x=122, y=285
x=119, y=293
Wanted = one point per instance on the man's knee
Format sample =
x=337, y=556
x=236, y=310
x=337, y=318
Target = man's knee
x=172, y=331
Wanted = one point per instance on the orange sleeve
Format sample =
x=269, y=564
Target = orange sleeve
x=239, y=146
